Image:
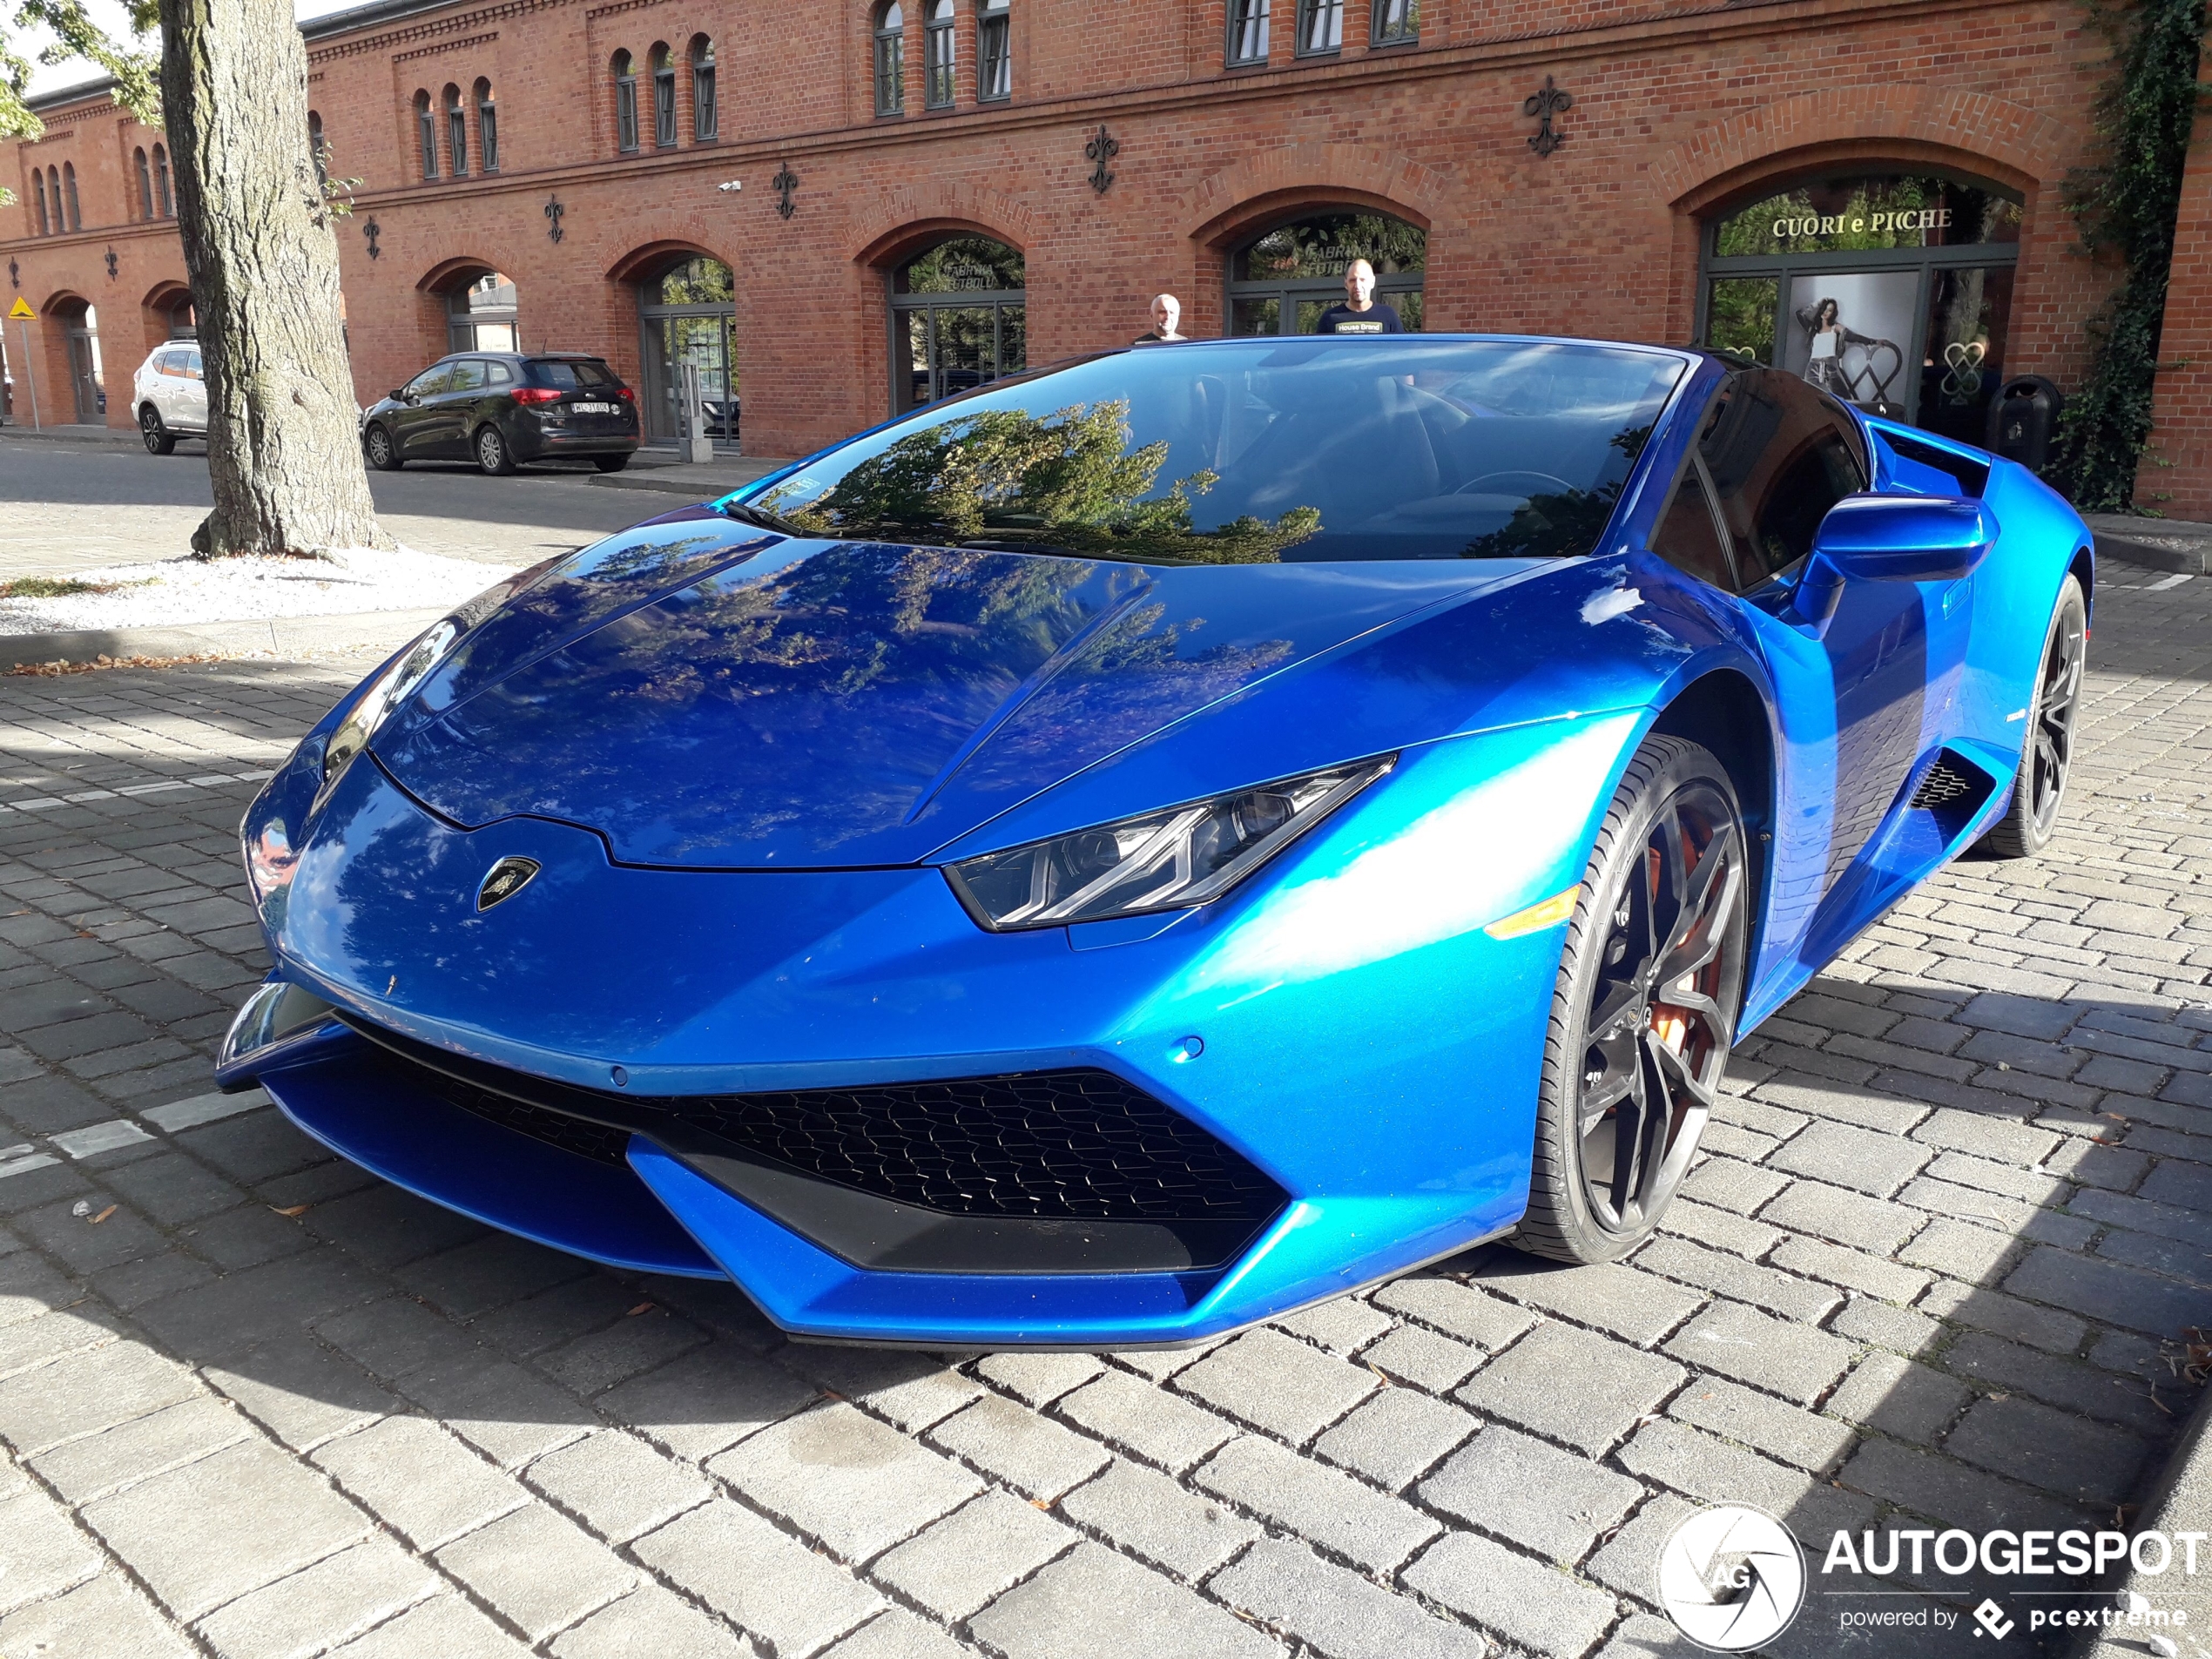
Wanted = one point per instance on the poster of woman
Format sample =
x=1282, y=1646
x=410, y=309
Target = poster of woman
x=1852, y=334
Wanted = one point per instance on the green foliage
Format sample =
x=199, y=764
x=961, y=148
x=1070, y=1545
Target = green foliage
x=1065, y=482
x=2125, y=209
x=76, y=36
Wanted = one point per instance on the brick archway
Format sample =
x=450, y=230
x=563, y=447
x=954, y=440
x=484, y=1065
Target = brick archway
x=908, y=216
x=2017, y=146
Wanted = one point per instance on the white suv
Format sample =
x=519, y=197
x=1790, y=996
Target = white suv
x=171, y=396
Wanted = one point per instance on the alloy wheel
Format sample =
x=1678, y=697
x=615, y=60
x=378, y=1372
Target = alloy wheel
x=380, y=448
x=1660, y=1015
x=491, y=454
x=2050, y=746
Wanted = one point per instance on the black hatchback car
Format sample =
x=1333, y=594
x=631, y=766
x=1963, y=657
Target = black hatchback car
x=502, y=409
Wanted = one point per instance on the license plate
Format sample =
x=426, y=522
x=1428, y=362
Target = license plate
x=591, y=408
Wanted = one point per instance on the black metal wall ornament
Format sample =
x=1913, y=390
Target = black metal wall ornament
x=15, y=274
x=372, y=230
x=110, y=264
x=1544, y=103
x=786, y=185
x=1101, y=149
x=553, y=211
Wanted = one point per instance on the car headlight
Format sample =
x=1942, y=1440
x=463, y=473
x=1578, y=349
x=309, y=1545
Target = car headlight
x=1165, y=860
x=393, y=687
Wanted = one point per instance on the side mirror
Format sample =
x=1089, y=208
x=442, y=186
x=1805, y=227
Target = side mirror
x=1891, y=538
x=397, y=395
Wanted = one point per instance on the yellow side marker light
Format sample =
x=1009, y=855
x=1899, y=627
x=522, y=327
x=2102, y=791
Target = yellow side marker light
x=1537, y=917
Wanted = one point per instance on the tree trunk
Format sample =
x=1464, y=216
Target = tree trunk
x=283, y=447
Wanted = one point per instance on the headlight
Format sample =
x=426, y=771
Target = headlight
x=1166, y=860
x=392, y=688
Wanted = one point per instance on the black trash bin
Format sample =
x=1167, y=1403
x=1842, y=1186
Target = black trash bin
x=2024, y=419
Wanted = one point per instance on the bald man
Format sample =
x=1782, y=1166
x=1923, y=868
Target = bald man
x=1359, y=313
x=1167, y=314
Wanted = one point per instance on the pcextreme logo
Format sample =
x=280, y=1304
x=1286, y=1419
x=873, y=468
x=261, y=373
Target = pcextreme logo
x=1731, y=1578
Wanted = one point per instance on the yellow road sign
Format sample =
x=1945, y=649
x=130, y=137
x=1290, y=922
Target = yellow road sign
x=21, y=311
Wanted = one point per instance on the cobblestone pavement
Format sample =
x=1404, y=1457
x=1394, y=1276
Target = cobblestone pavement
x=257, y=1404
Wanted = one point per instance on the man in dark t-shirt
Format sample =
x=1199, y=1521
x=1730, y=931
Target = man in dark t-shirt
x=1360, y=314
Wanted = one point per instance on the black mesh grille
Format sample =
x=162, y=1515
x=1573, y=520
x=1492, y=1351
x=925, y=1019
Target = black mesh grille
x=1061, y=1144
x=1053, y=1145
x=1944, y=784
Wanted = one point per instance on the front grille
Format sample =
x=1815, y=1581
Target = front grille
x=1079, y=1146
x=1944, y=784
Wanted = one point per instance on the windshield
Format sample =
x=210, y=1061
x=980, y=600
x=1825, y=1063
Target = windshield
x=1251, y=452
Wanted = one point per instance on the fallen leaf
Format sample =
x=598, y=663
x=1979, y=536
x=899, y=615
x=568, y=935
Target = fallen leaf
x=642, y=1307
x=1996, y=1396
x=296, y=1210
x=103, y=1215
x=1039, y=1503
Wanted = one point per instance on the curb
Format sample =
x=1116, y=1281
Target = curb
x=125, y=437
x=2164, y=544
x=2180, y=1502
x=282, y=636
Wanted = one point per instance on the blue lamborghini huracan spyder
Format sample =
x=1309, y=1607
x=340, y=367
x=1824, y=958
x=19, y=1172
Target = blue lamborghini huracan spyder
x=1162, y=839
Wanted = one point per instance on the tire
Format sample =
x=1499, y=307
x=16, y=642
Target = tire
x=1618, y=1116
x=494, y=458
x=610, y=464
x=379, y=450
x=2047, y=753
x=160, y=441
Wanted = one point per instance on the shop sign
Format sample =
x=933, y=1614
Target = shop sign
x=1902, y=219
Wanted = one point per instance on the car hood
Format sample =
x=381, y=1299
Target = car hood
x=708, y=696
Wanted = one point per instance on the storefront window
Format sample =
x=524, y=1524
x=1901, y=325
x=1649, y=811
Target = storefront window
x=1890, y=290
x=959, y=320
x=1281, y=283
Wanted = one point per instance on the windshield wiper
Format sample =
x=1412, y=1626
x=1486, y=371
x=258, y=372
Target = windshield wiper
x=753, y=515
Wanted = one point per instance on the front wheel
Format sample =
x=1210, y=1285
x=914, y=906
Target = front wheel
x=2047, y=755
x=1643, y=1013
x=610, y=464
x=160, y=441
x=381, y=453
x=493, y=456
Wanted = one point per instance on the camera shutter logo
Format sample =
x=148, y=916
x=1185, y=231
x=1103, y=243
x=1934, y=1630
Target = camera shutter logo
x=1731, y=1578
x=504, y=880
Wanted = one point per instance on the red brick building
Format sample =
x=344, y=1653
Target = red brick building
x=836, y=206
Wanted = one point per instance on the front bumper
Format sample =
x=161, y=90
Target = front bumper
x=1374, y=1059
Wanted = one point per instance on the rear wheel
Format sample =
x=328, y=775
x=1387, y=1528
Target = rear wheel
x=493, y=456
x=1643, y=1015
x=610, y=464
x=381, y=452
x=2047, y=756
x=160, y=441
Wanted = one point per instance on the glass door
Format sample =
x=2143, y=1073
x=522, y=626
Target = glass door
x=687, y=317
x=959, y=320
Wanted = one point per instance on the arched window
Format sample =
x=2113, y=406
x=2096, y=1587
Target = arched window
x=1247, y=31
x=319, y=148
x=664, y=97
x=993, y=51
x=163, y=200
x=487, y=127
x=959, y=320
x=145, y=182
x=456, y=133
x=705, y=119
x=891, y=60
x=625, y=103
x=426, y=134
x=1282, y=282
x=39, y=200
x=69, y=188
x=937, y=53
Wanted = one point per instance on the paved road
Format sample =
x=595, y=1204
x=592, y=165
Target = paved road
x=1932, y=1271
x=148, y=506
